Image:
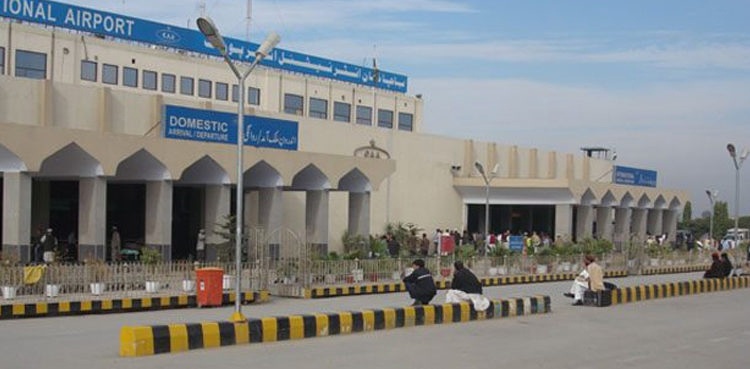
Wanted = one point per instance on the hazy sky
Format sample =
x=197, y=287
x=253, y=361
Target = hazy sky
x=666, y=83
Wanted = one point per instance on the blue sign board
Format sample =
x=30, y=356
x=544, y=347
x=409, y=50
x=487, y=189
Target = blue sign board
x=515, y=243
x=634, y=176
x=114, y=25
x=212, y=126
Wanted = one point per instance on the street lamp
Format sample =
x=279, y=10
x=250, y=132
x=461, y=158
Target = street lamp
x=737, y=166
x=209, y=30
x=487, y=180
x=711, y=198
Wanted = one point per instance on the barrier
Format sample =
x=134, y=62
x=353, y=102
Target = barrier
x=675, y=269
x=657, y=291
x=108, y=306
x=378, y=288
x=173, y=338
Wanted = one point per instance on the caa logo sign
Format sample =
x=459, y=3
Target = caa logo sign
x=168, y=36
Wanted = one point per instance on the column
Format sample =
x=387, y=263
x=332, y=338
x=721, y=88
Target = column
x=359, y=213
x=17, y=215
x=655, y=221
x=584, y=222
x=622, y=226
x=316, y=220
x=270, y=217
x=670, y=224
x=40, y=204
x=159, y=217
x=92, y=219
x=215, y=212
x=604, y=223
x=638, y=224
x=563, y=221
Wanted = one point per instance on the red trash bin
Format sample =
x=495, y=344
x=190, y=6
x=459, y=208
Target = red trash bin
x=209, y=286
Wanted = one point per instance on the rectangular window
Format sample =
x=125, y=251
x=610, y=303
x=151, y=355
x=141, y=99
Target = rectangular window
x=149, y=80
x=364, y=115
x=88, y=70
x=405, y=121
x=31, y=64
x=187, y=86
x=109, y=74
x=130, y=77
x=222, y=91
x=2, y=60
x=168, y=82
x=293, y=104
x=253, y=96
x=204, y=88
x=385, y=118
x=318, y=108
x=342, y=112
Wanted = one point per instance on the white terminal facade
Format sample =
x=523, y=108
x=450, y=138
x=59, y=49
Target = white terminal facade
x=83, y=148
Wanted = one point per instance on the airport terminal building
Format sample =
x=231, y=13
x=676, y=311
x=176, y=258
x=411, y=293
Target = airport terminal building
x=108, y=120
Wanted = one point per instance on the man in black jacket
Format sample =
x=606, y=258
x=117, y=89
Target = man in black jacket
x=717, y=267
x=465, y=280
x=420, y=284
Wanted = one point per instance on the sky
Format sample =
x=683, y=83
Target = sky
x=664, y=83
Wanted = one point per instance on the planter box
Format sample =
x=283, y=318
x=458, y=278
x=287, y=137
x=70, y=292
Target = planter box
x=358, y=275
x=152, y=286
x=97, y=288
x=653, y=262
x=541, y=269
x=493, y=272
x=330, y=279
x=396, y=276
x=188, y=285
x=52, y=290
x=226, y=282
x=9, y=292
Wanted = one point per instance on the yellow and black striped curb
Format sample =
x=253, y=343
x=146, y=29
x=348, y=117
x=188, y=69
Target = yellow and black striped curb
x=106, y=306
x=674, y=289
x=172, y=338
x=674, y=269
x=367, y=289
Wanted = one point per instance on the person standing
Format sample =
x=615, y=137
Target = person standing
x=419, y=284
x=394, y=248
x=49, y=245
x=114, y=245
x=424, y=245
x=200, y=246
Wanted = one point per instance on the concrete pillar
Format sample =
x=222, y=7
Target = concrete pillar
x=563, y=221
x=271, y=216
x=250, y=209
x=92, y=219
x=622, y=226
x=604, y=223
x=655, y=221
x=316, y=220
x=638, y=224
x=670, y=224
x=584, y=222
x=215, y=210
x=17, y=215
x=359, y=213
x=159, y=217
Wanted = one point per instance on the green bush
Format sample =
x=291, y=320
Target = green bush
x=150, y=256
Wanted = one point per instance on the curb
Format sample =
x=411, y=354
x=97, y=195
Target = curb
x=674, y=289
x=674, y=269
x=173, y=338
x=109, y=306
x=368, y=289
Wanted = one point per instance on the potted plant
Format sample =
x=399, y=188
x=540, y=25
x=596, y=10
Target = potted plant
x=188, y=282
x=9, y=276
x=98, y=271
x=653, y=251
x=498, y=254
x=52, y=281
x=150, y=257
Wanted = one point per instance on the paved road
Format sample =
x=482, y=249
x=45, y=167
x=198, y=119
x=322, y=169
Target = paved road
x=684, y=332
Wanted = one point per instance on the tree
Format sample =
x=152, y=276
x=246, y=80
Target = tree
x=687, y=212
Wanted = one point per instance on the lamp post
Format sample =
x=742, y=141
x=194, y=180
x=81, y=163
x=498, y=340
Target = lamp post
x=737, y=166
x=711, y=199
x=211, y=32
x=487, y=180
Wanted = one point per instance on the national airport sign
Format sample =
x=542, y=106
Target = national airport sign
x=634, y=176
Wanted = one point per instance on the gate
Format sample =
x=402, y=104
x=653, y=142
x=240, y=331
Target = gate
x=285, y=258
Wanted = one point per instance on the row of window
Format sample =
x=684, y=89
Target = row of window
x=150, y=79
x=31, y=64
x=318, y=108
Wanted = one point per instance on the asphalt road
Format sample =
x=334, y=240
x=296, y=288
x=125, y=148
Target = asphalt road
x=699, y=331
